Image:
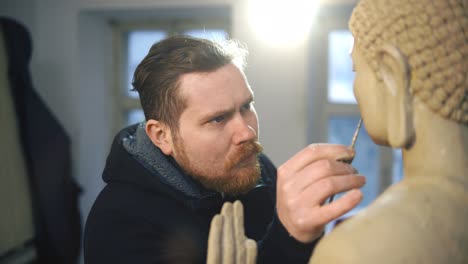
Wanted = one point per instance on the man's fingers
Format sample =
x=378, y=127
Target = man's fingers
x=339, y=207
x=214, y=240
x=313, y=220
x=314, y=153
x=316, y=171
x=321, y=190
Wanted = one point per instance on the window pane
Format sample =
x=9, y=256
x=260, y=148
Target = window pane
x=397, y=166
x=135, y=116
x=211, y=34
x=340, y=74
x=366, y=161
x=139, y=43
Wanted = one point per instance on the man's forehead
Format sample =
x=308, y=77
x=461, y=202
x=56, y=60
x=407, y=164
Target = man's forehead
x=223, y=88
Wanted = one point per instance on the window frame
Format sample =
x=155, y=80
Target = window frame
x=120, y=31
x=319, y=109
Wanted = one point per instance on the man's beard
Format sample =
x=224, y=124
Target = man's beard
x=233, y=178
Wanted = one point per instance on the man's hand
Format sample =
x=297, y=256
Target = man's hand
x=227, y=242
x=306, y=181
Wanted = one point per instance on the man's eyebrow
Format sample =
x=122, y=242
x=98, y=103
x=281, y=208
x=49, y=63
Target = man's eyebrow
x=210, y=115
x=249, y=100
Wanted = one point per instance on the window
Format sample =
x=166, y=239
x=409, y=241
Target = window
x=340, y=130
x=340, y=76
x=133, y=41
x=333, y=109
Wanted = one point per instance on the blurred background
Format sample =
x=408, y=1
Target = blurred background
x=84, y=53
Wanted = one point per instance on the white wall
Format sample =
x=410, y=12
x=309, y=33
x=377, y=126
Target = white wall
x=72, y=63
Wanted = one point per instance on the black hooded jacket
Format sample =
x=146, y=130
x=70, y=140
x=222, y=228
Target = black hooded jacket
x=46, y=149
x=150, y=212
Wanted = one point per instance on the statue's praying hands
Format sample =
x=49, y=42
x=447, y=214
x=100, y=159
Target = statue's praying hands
x=227, y=242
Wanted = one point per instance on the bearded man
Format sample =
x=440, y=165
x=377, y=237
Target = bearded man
x=166, y=178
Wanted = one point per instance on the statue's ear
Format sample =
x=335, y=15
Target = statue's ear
x=395, y=73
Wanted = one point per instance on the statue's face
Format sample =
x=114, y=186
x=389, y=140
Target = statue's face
x=370, y=94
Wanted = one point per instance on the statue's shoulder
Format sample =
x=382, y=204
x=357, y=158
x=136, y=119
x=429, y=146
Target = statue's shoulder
x=360, y=238
x=405, y=224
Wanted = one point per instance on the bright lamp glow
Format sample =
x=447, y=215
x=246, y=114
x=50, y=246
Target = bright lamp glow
x=282, y=22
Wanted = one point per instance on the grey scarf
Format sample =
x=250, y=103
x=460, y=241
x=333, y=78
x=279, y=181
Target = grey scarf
x=142, y=148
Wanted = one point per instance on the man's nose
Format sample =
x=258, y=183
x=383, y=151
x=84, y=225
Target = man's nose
x=244, y=130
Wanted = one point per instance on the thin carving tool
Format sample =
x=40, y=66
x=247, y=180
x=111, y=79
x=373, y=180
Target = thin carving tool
x=353, y=142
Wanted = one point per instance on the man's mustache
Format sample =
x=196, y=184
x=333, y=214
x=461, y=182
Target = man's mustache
x=244, y=151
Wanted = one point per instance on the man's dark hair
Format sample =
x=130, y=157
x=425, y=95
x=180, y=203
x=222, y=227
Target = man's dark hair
x=157, y=76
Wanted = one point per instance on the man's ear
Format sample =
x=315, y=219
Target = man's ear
x=160, y=135
x=395, y=73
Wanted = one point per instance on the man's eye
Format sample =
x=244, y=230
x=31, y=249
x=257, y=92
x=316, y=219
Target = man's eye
x=218, y=119
x=247, y=106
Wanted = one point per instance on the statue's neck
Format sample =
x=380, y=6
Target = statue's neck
x=440, y=147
